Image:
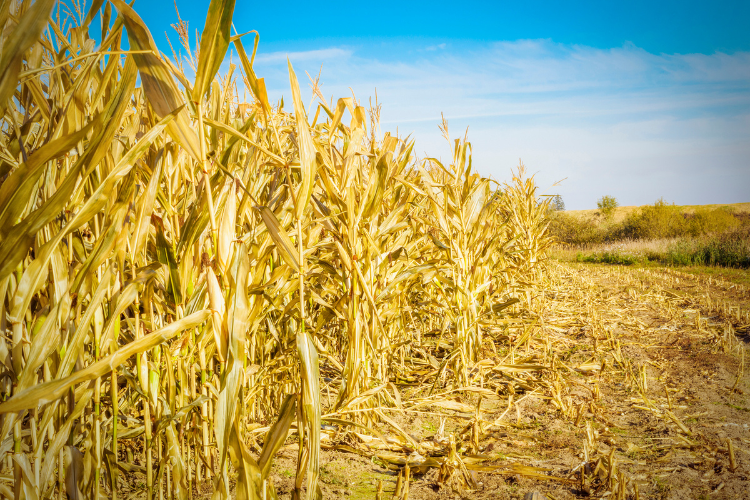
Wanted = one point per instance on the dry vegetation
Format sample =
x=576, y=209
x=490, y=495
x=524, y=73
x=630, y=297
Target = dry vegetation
x=635, y=369
x=621, y=213
x=178, y=267
x=670, y=235
x=209, y=297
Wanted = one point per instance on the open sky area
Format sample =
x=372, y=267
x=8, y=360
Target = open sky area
x=637, y=100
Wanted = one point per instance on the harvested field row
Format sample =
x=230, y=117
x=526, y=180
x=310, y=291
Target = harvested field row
x=617, y=388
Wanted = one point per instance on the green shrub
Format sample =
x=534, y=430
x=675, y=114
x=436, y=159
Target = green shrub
x=711, y=237
x=579, y=231
x=660, y=220
x=682, y=253
x=607, y=206
x=710, y=221
x=730, y=249
x=609, y=257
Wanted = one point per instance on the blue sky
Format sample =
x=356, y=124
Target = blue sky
x=637, y=100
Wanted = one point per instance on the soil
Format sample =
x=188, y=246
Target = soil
x=673, y=392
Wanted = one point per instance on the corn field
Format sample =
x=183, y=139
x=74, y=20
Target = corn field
x=181, y=271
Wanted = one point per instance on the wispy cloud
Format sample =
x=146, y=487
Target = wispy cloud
x=315, y=55
x=439, y=46
x=620, y=121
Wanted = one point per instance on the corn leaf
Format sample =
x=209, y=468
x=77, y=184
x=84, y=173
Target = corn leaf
x=158, y=85
x=50, y=391
x=307, y=158
x=214, y=45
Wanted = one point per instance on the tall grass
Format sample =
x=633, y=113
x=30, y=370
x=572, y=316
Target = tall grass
x=178, y=267
x=730, y=249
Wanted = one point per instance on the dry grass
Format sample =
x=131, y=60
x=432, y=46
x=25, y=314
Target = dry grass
x=621, y=213
x=639, y=249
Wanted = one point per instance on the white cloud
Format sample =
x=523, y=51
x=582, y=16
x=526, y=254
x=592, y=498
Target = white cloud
x=308, y=55
x=620, y=121
x=439, y=46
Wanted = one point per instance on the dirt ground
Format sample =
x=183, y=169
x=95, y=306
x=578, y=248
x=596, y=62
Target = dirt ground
x=649, y=397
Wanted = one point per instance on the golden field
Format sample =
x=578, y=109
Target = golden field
x=204, y=297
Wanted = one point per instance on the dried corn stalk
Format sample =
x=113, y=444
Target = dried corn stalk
x=176, y=265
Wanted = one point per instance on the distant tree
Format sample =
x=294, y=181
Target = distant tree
x=557, y=204
x=607, y=206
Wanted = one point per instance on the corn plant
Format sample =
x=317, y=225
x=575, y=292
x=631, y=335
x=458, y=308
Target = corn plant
x=178, y=266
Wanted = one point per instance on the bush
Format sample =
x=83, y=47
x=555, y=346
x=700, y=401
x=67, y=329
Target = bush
x=660, y=220
x=663, y=220
x=712, y=237
x=566, y=228
x=711, y=221
x=682, y=253
x=607, y=206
